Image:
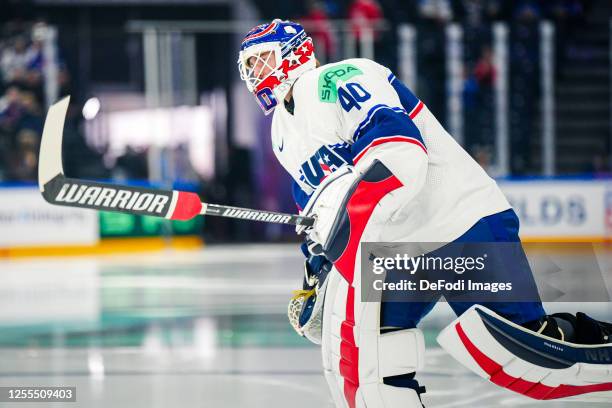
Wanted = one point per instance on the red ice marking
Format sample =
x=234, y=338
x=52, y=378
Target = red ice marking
x=531, y=389
x=188, y=205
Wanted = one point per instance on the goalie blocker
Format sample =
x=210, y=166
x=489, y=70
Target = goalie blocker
x=527, y=362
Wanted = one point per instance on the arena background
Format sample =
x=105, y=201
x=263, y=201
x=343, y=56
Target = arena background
x=137, y=311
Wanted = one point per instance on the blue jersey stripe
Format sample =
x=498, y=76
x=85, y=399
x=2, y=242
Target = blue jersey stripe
x=407, y=98
x=385, y=122
x=368, y=119
x=299, y=196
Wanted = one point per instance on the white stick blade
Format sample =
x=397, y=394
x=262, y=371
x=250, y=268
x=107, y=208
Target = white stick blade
x=50, y=156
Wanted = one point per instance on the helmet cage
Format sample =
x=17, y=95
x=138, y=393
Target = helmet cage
x=288, y=66
x=247, y=72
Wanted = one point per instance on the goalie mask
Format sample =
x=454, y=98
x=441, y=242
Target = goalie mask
x=272, y=56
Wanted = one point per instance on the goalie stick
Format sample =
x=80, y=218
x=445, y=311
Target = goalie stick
x=170, y=204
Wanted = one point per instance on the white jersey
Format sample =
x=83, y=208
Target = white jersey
x=355, y=111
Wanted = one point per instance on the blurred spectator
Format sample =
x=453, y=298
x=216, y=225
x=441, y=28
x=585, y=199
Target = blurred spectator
x=473, y=12
x=21, y=63
x=14, y=60
x=470, y=93
x=484, y=71
x=18, y=110
x=10, y=109
x=565, y=10
x=478, y=100
x=527, y=10
x=333, y=8
x=495, y=10
x=24, y=160
x=319, y=27
x=439, y=11
x=21, y=124
x=22, y=106
x=32, y=115
x=364, y=14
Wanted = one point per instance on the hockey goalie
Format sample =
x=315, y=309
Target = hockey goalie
x=372, y=164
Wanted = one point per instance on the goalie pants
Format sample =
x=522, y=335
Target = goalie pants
x=500, y=227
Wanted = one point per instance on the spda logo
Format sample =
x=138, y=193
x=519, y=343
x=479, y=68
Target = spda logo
x=111, y=198
x=328, y=91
